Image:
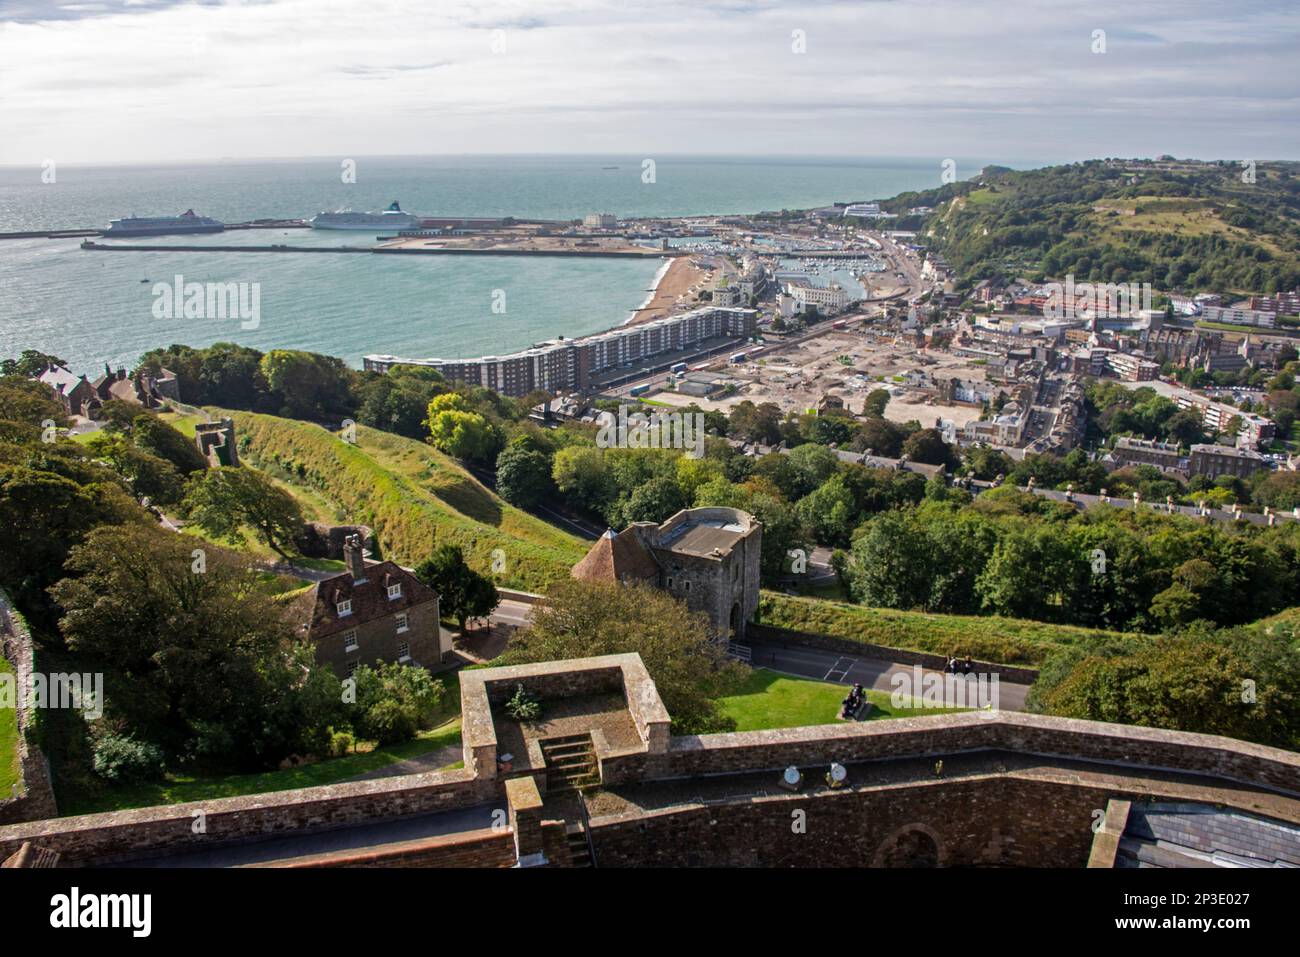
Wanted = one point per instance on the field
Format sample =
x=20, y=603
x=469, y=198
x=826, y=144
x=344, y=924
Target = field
x=770, y=700
x=409, y=493
x=1002, y=640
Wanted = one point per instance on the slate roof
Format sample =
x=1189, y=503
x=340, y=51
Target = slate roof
x=618, y=557
x=1186, y=834
x=369, y=598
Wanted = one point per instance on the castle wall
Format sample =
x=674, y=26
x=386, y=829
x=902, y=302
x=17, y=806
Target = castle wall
x=35, y=794
x=993, y=821
x=1046, y=819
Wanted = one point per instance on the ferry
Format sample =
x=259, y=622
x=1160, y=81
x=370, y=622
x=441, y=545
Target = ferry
x=186, y=222
x=391, y=218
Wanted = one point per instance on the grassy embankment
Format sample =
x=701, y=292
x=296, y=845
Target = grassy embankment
x=1008, y=641
x=411, y=495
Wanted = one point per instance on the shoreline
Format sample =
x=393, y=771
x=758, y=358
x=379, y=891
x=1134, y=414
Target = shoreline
x=672, y=283
x=650, y=296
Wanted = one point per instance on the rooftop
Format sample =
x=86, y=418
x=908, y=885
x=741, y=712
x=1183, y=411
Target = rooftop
x=702, y=537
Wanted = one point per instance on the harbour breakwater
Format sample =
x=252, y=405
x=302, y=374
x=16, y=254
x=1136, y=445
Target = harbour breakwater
x=404, y=250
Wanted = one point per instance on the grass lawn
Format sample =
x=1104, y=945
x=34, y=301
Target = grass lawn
x=179, y=788
x=771, y=700
x=8, y=737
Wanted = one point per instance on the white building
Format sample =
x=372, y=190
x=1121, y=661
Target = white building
x=600, y=220
x=824, y=298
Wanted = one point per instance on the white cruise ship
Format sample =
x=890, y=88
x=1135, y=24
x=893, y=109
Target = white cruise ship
x=390, y=218
x=186, y=222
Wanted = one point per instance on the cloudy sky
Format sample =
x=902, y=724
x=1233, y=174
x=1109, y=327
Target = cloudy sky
x=138, y=80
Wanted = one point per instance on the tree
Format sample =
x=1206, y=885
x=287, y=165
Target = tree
x=654, y=501
x=398, y=401
x=881, y=436
x=459, y=432
x=582, y=476
x=29, y=364
x=756, y=423
x=813, y=465
x=1280, y=490
x=1191, y=682
x=151, y=434
x=199, y=660
x=307, y=384
x=462, y=592
x=148, y=475
x=874, y=406
x=928, y=446
x=828, y=512
x=224, y=499
x=584, y=619
x=1185, y=428
x=44, y=514
x=523, y=474
x=893, y=563
x=394, y=702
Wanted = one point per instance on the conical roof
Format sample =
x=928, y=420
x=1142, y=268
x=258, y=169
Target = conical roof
x=617, y=557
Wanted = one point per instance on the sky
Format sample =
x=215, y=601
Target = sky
x=149, y=80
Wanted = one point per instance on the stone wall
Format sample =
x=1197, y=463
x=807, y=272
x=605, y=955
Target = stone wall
x=1027, y=820
x=482, y=848
x=992, y=821
x=129, y=835
x=1220, y=757
x=773, y=635
x=35, y=798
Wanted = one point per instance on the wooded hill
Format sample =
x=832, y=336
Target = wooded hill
x=1191, y=228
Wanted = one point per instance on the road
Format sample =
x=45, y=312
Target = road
x=869, y=672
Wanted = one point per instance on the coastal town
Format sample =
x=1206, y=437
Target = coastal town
x=647, y=438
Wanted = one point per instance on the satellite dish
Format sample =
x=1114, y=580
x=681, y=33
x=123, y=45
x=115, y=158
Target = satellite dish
x=792, y=775
x=838, y=773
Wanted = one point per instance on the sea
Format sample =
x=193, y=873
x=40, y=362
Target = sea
x=98, y=308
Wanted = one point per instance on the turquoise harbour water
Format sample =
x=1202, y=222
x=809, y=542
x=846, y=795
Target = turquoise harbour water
x=93, y=308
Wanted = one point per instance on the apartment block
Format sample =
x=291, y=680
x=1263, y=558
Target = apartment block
x=567, y=365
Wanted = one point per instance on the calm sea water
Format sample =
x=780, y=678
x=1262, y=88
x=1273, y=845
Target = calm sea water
x=95, y=307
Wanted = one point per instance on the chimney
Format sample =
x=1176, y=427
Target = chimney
x=352, y=557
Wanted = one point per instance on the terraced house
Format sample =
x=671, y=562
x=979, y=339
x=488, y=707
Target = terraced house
x=373, y=613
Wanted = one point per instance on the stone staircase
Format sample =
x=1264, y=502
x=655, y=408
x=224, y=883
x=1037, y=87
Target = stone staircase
x=579, y=852
x=570, y=762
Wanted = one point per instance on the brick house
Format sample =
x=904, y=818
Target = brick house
x=374, y=613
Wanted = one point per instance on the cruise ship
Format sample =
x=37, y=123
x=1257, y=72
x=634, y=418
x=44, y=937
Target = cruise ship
x=186, y=222
x=390, y=218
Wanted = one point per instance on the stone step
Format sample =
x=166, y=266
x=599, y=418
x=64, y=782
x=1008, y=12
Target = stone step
x=565, y=750
x=567, y=764
x=566, y=739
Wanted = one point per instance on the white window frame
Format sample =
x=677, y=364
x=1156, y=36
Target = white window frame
x=350, y=642
x=344, y=608
x=403, y=622
x=352, y=667
x=394, y=591
x=404, y=657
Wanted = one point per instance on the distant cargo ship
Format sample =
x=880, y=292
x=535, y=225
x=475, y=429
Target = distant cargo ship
x=186, y=222
x=390, y=218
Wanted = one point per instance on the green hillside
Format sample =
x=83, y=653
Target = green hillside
x=410, y=494
x=1197, y=227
